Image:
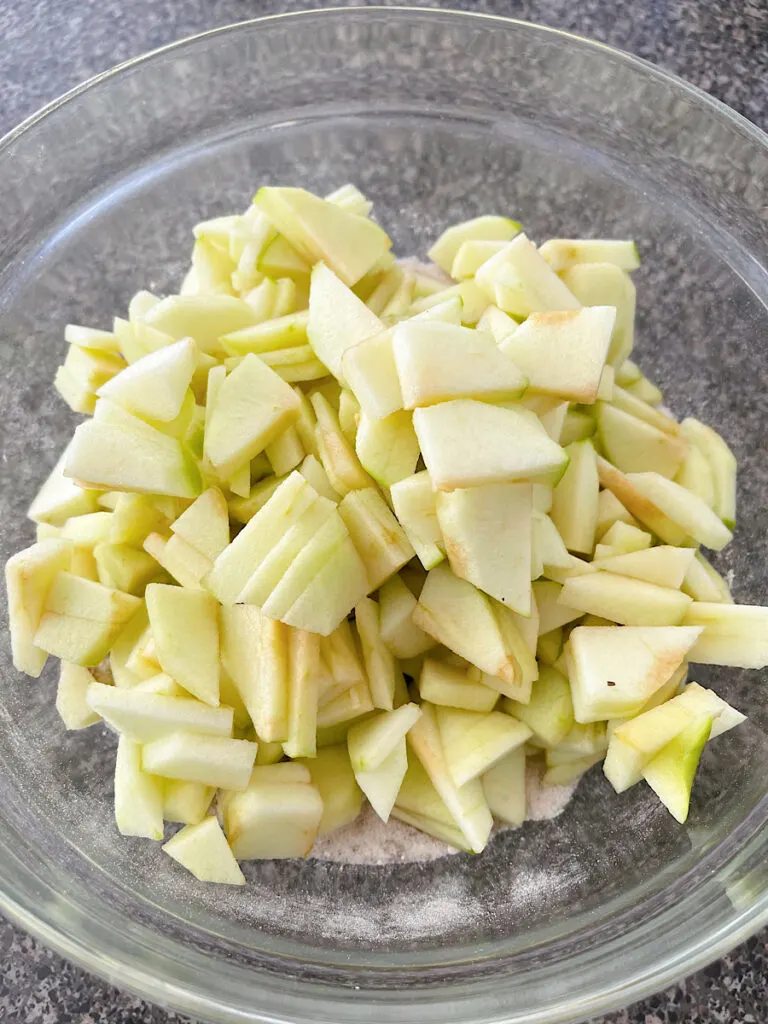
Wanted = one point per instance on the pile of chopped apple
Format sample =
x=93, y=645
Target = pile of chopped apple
x=343, y=529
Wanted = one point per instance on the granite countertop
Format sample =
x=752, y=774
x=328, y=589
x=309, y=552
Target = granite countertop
x=51, y=45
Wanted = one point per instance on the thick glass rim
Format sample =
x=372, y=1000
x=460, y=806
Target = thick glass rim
x=31, y=899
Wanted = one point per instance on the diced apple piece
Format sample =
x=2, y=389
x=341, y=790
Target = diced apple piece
x=695, y=475
x=467, y=443
x=376, y=534
x=155, y=386
x=549, y=713
x=636, y=660
x=471, y=256
x=547, y=547
x=380, y=665
x=466, y=804
x=474, y=742
x=610, y=511
x=605, y=284
x=338, y=320
x=304, y=680
x=487, y=533
x=186, y=631
x=338, y=457
x=414, y=502
x=398, y=629
x=703, y=583
x=634, y=446
x=561, y=253
x=336, y=589
x=640, y=504
x=504, y=788
x=487, y=228
x=699, y=700
x=623, y=539
x=371, y=742
x=205, y=524
x=138, y=795
x=462, y=618
x=320, y=230
x=29, y=575
x=521, y=282
x=722, y=463
x=347, y=706
x=577, y=426
x=497, y=323
x=563, y=353
x=332, y=776
x=191, y=757
x=146, y=716
x=186, y=802
x=71, y=703
x=124, y=568
x=203, y=850
x=664, y=566
x=370, y=371
x=446, y=833
x=684, y=509
x=61, y=498
x=351, y=199
x=387, y=448
x=671, y=772
x=449, y=686
x=273, y=819
x=733, y=634
x=305, y=566
x=630, y=602
x=437, y=362
x=575, y=498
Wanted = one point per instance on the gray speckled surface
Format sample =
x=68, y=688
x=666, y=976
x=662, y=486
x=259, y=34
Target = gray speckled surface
x=51, y=45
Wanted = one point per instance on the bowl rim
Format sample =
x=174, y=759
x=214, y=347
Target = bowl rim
x=187, y=998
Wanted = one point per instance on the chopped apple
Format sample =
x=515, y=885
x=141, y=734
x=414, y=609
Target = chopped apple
x=547, y=547
x=605, y=284
x=60, y=498
x=320, y=230
x=449, y=686
x=338, y=320
x=483, y=229
x=396, y=621
x=29, y=575
x=155, y=386
x=338, y=457
x=203, y=850
x=138, y=794
x=733, y=634
x=71, y=702
x=474, y=742
x=377, y=536
x=382, y=784
x=575, y=498
x=549, y=712
x=634, y=446
x=699, y=700
x=347, y=706
x=561, y=253
x=414, y=502
x=695, y=475
x=124, y=568
x=466, y=443
x=622, y=539
x=305, y=566
x=671, y=772
x=628, y=601
x=437, y=362
x=146, y=716
x=683, y=508
x=487, y=533
x=722, y=463
x=497, y=323
x=275, y=334
x=370, y=371
x=371, y=742
x=520, y=282
x=330, y=597
x=273, y=819
x=703, y=583
x=563, y=353
x=206, y=318
x=331, y=774
x=192, y=757
x=504, y=788
x=269, y=708
x=205, y=524
x=471, y=256
x=186, y=802
x=610, y=511
x=175, y=612
x=380, y=665
x=664, y=565
x=304, y=680
x=640, y=504
x=614, y=670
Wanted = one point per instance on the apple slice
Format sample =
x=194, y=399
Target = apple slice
x=497, y=323
x=695, y=475
x=561, y=253
x=610, y=511
x=563, y=353
x=29, y=575
x=414, y=502
x=733, y=634
x=204, y=851
x=474, y=742
x=305, y=566
x=634, y=446
x=630, y=602
x=273, y=334
x=347, y=706
x=462, y=618
x=671, y=772
x=504, y=788
x=636, y=660
x=449, y=686
x=396, y=621
x=722, y=463
x=339, y=459
x=686, y=510
x=446, y=833
x=488, y=228
x=332, y=776
x=60, y=498
x=240, y=629
x=466, y=443
x=487, y=533
x=205, y=524
x=71, y=702
x=371, y=742
x=623, y=539
x=351, y=199
x=549, y=713
x=175, y=612
x=186, y=802
x=191, y=757
x=574, y=500
x=376, y=534
x=206, y=318
x=520, y=281
x=471, y=255
x=380, y=665
x=304, y=680
x=273, y=819
x=466, y=804
x=665, y=566
x=699, y=700
x=703, y=583
x=437, y=362
x=387, y=448
x=336, y=589
x=155, y=386
x=184, y=563
x=338, y=320
x=253, y=407
x=605, y=284
x=382, y=784
x=640, y=504
x=124, y=568
x=146, y=716
x=370, y=371
x=547, y=547
x=138, y=795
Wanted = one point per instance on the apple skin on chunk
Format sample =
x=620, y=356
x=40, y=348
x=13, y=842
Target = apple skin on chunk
x=637, y=660
x=466, y=443
x=671, y=772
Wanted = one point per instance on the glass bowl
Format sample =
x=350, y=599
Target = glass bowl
x=436, y=116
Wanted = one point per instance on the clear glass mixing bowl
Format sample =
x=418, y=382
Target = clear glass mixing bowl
x=437, y=116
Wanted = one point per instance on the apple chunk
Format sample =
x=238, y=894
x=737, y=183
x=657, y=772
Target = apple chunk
x=338, y=320
x=631, y=602
x=204, y=851
x=28, y=576
x=466, y=443
x=155, y=386
x=186, y=631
